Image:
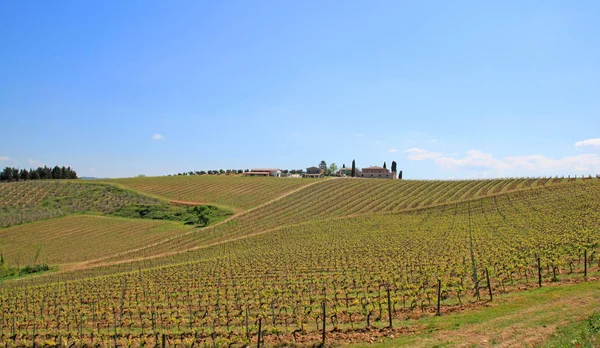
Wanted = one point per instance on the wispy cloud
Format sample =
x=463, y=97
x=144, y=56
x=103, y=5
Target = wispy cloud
x=587, y=143
x=416, y=154
x=158, y=137
x=533, y=164
x=4, y=158
x=35, y=163
x=393, y=150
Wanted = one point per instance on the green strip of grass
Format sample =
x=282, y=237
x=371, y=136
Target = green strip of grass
x=527, y=318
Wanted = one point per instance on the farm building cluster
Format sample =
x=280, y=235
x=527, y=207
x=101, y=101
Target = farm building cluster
x=316, y=172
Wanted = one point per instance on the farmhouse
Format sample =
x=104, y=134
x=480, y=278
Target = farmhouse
x=264, y=172
x=376, y=172
x=313, y=172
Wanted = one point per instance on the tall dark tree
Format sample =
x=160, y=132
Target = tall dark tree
x=343, y=166
x=393, y=166
x=24, y=174
x=56, y=173
x=400, y=175
x=323, y=166
x=353, y=168
x=384, y=165
x=34, y=174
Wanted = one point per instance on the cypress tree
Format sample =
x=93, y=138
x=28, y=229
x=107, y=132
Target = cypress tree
x=393, y=166
x=400, y=175
x=384, y=165
x=353, y=168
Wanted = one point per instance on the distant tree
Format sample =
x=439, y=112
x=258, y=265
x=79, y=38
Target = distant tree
x=24, y=174
x=343, y=166
x=6, y=174
x=202, y=173
x=332, y=168
x=323, y=166
x=393, y=166
x=293, y=171
x=56, y=173
x=34, y=174
x=400, y=175
x=384, y=165
x=353, y=168
x=15, y=174
x=228, y=171
x=221, y=171
x=191, y=173
x=247, y=170
x=299, y=171
x=240, y=171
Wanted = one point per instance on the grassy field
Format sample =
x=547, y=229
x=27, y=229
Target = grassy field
x=235, y=192
x=366, y=249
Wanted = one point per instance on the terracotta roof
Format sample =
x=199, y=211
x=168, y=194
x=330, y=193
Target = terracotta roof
x=374, y=167
x=264, y=169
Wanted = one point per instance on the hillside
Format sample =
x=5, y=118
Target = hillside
x=28, y=201
x=341, y=242
x=236, y=192
x=80, y=238
x=344, y=197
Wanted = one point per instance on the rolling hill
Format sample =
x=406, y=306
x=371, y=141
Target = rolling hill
x=368, y=251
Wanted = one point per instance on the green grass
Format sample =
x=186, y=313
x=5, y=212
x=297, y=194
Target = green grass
x=552, y=316
x=580, y=334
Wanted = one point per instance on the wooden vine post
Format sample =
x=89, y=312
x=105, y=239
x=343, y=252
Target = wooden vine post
x=259, y=332
x=439, y=297
x=489, y=284
x=539, y=264
x=585, y=264
x=389, y=307
x=324, y=327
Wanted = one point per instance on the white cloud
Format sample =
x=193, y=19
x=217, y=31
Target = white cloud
x=4, y=158
x=511, y=165
x=416, y=154
x=35, y=163
x=158, y=137
x=588, y=143
x=393, y=150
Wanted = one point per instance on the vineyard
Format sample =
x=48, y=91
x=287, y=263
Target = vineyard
x=340, y=198
x=331, y=261
x=67, y=239
x=237, y=192
x=22, y=202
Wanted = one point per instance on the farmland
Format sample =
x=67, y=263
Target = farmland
x=67, y=239
x=235, y=192
x=22, y=202
x=365, y=251
x=340, y=198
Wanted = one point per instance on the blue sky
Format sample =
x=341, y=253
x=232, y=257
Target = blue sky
x=455, y=89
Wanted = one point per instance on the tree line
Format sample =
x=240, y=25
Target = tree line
x=231, y=171
x=41, y=173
